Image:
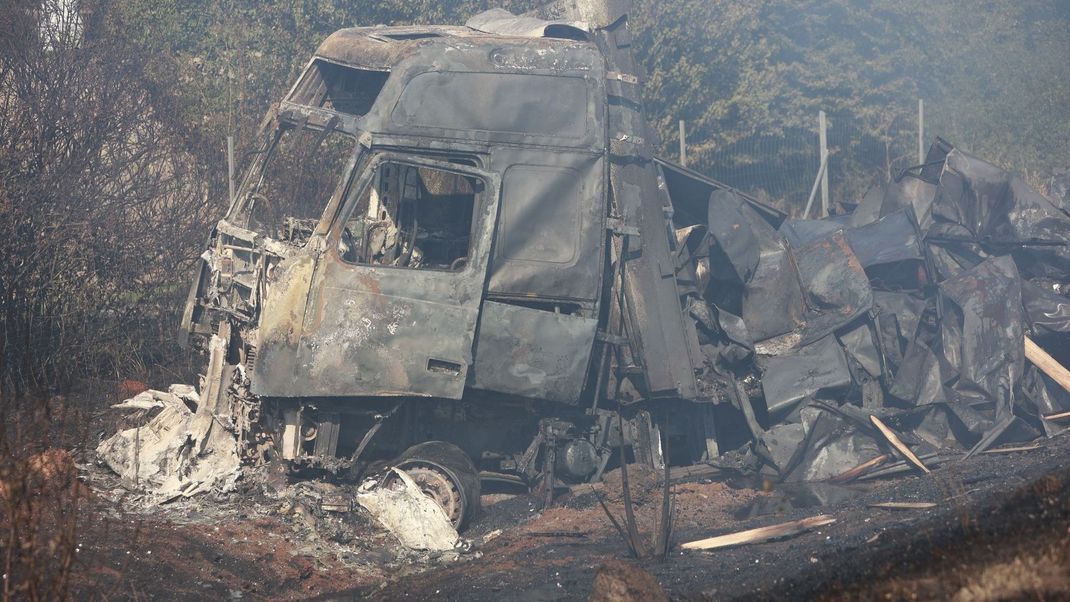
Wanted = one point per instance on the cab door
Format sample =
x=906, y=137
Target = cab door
x=395, y=297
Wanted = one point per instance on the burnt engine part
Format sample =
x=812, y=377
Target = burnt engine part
x=576, y=459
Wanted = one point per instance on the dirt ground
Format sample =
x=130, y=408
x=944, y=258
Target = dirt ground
x=999, y=531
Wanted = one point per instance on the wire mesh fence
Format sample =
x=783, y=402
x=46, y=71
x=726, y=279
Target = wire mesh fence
x=781, y=169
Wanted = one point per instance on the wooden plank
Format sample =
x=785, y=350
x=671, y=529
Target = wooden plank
x=1059, y=416
x=898, y=444
x=760, y=534
x=860, y=469
x=1007, y=450
x=1047, y=365
x=903, y=505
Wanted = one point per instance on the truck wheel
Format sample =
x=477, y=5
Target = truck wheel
x=446, y=474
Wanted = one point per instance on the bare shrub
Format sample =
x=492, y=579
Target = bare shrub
x=101, y=211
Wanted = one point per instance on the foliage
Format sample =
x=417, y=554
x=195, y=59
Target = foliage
x=995, y=80
x=748, y=78
x=98, y=212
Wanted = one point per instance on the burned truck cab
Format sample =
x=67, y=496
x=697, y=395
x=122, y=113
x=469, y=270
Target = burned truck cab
x=421, y=254
x=472, y=218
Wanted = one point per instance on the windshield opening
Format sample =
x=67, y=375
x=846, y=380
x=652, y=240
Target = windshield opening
x=412, y=217
x=295, y=181
x=339, y=88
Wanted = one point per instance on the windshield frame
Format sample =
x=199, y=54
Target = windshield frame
x=239, y=212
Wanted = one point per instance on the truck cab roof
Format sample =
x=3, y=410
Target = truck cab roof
x=500, y=79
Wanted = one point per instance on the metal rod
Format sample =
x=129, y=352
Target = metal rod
x=813, y=191
x=230, y=166
x=921, y=131
x=683, y=144
x=823, y=140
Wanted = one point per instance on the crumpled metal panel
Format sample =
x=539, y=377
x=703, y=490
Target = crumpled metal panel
x=733, y=232
x=1046, y=310
x=984, y=203
x=801, y=232
x=892, y=238
x=919, y=380
x=906, y=308
x=912, y=194
x=772, y=302
x=986, y=304
x=532, y=353
x=790, y=377
x=1046, y=397
x=836, y=286
x=859, y=344
x=832, y=445
x=794, y=295
x=869, y=210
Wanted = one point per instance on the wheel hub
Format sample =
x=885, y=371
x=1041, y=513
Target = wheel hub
x=438, y=486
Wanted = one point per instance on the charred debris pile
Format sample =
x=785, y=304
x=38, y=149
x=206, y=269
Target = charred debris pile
x=907, y=332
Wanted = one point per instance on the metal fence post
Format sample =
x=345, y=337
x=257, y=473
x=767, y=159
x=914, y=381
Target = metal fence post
x=683, y=145
x=921, y=131
x=230, y=166
x=823, y=140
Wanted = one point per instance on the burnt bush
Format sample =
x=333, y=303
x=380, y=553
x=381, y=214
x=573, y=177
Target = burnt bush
x=101, y=205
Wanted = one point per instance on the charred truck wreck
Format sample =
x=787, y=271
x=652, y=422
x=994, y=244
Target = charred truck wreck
x=456, y=254
x=474, y=266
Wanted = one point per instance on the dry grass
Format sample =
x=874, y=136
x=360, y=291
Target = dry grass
x=41, y=505
x=1043, y=576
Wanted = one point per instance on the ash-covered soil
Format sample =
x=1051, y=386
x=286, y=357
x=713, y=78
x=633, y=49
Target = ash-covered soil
x=1001, y=521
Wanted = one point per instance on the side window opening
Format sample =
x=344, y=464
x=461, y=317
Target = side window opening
x=412, y=217
x=326, y=85
x=297, y=176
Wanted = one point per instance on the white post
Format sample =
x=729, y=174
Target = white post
x=823, y=141
x=921, y=131
x=813, y=191
x=230, y=166
x=683, y=145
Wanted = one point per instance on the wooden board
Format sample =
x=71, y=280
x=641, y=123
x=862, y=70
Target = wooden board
x=760, y=534
x=903, y=505
x=892, y=438
x=1047, y=364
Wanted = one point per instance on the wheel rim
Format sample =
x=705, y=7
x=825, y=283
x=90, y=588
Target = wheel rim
x=438, y=485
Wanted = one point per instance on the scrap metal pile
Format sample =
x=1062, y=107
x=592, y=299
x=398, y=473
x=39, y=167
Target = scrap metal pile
x=918, y=308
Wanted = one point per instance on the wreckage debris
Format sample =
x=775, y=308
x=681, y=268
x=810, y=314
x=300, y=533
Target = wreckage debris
x=417, y=521
x=411, y=313
x=182, y=450
x=923, y=312
x=761, y=534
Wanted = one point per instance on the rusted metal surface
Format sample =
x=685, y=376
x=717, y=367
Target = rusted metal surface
x=532, y=353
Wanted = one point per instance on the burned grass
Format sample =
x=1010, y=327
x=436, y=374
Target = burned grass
x=999, y=519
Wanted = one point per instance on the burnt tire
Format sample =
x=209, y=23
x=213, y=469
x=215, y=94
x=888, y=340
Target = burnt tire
x=446, y=474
